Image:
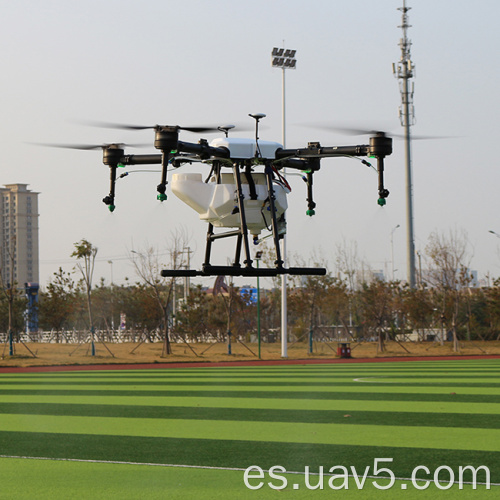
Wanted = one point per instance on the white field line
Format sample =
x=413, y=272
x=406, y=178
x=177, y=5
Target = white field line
x=241, y=469
x=368, y=381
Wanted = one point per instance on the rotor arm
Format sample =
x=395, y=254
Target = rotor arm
x=203, y=150
x=318, y=151
x=140, y=159
x=293, y=163
x=379, y=147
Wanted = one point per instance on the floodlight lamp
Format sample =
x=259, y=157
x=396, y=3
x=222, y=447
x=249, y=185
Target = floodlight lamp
x=284, y=58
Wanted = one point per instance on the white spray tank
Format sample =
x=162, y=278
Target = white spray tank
x=217, y=203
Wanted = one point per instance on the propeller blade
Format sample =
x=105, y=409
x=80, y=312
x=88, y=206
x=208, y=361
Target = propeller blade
x=89, y=147
x=371, y=132
x=194, y=129
x=82, y=147
x=119, y=126
x=199, y=129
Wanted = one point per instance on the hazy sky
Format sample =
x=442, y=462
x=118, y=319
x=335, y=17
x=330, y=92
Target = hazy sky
x=208, y=62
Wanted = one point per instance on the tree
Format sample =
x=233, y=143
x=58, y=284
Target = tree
x=492, y=313
x=8, y=285
x=336, y=305
x=377, y=301
x=85, y=253
x=417, y=307
x=193, y=319
x=351, y=265
x=308, y=299
x=59, y=301
x=148, y=267
x=449, y=273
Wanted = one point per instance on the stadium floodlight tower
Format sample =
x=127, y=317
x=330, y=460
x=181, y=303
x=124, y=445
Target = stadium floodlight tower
x=284, y=59
x=404, y=71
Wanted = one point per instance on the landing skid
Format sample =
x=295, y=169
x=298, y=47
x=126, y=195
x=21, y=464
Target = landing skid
x=244, y=271
x=245, y=267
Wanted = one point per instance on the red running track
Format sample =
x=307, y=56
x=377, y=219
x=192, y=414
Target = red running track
x=207, y=364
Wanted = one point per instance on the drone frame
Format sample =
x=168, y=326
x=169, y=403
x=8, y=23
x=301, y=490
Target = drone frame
x=306, y=159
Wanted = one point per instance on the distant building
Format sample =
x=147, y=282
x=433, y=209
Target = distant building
x=19, y=234
x=377, y=275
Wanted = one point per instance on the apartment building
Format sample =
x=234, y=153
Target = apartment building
x=19, y=234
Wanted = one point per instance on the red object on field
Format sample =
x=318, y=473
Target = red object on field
x=344, y=350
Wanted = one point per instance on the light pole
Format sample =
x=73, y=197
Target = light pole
x=284, y=59
x=110, y=262
x=392, y=249
x=419, y=255
x=258, y=256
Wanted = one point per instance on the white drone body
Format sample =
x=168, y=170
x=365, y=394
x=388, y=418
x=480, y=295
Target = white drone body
x=243, y=194
x=245, y=149
x=217, y=202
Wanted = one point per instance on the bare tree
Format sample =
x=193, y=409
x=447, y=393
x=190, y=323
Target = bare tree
x=148, y=266
x=9, y=285
x=85, y=254
x=10, y=291
x=308, y=298
x=348, y=262
x=450, y=257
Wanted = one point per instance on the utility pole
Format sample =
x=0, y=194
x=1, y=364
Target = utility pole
x=110, y=262
x=404, y=70
x=392, y=249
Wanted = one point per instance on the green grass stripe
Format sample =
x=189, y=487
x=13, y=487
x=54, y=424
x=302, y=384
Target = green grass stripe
x=424, y=413
x=225, y=453
x=119, y=481
x=268, y=403
x=263, y=382
x=116, y=376
x=475, y=421
x=240, y=388
x=344, y=434
x=460, y=366
x=373, y=395
x=256, y=371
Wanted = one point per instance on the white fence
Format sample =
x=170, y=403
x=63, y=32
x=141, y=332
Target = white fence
x=77, y=336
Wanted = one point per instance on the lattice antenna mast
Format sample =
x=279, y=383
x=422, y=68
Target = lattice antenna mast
x=404, y=71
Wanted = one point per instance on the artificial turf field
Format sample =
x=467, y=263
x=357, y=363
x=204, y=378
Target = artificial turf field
x=191, y=432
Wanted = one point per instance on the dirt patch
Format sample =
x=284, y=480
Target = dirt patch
x=133, y=353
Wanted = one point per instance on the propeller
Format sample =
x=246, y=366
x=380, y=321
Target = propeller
x=89, y=147
x=372, y=132
x=124, y=126
x=196, y=129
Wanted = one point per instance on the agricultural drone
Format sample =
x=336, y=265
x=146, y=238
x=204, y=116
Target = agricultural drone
x=245, y=191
